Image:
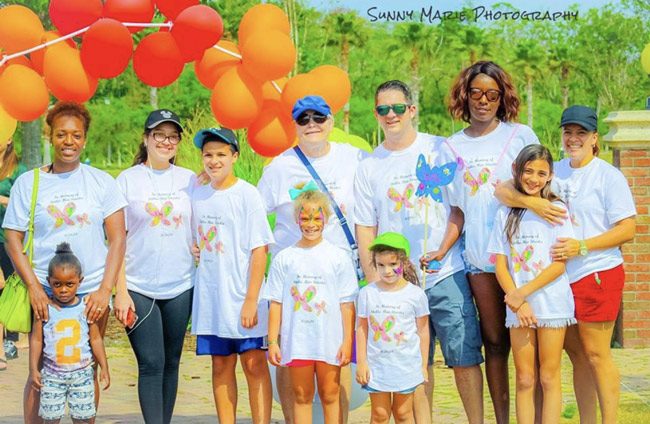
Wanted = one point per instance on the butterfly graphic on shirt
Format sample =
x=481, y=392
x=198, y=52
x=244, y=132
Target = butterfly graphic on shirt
x=320, y=307
x=62, y=216
x=520, y=259
x=206, y=237
x=538, y=267
x=381, y=331
x=82, y=219
x=178, y=220
x=476, y=183
x=159, y=215
x=401, y=199
x=301, y=300
x=400, y=338
x=433, y=177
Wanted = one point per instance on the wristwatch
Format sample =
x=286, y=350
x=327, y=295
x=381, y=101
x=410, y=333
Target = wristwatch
x=583, y=248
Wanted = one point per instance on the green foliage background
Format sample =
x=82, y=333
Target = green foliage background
x=593, y=60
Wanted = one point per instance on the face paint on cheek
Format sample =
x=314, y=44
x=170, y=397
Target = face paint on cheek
x=399, y=270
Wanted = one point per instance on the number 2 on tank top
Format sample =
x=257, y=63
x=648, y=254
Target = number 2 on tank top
x=67, y=351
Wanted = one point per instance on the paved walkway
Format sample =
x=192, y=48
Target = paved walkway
x=195, y=404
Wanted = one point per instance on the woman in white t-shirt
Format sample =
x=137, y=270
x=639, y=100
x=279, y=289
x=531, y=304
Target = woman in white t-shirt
x=156, y=285
x=601, y=209
x=312, y=289
x=392, y=360
x=336, y=164
x=539, y=299
x=484, y=96
x=78, y=204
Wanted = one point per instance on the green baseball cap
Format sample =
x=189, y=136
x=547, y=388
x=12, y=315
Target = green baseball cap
x=391, y=239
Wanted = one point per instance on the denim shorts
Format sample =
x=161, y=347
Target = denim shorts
x=222, y=346
x=77, y=387
x=454, y=321
x=469, y=268
x=401, y=392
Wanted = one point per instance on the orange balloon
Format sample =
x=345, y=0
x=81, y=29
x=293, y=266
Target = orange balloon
x=20, y=28
x=268, y=55
x=236, y=99
x=333, y=85
x=65, y=76
x=23, y=93
x=297, y=87
x=271, y=134
x=215, y=63
x=263, y=18
x=20, y=60
x=269, y=92
x=38, y=56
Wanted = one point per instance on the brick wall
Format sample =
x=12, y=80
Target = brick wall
x=633, y=326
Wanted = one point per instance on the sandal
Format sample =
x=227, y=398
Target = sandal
x=3, y=364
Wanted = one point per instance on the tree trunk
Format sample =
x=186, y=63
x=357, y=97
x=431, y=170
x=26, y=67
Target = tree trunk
x=565, y=87
x=415, y=82
x=345, y=59
x=153, y=97
x=529, y=95
x=31, y=146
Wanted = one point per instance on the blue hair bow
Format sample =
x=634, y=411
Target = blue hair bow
x=295, y=192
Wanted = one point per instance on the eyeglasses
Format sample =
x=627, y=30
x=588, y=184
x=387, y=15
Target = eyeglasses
x=490, y=95
x=305, y=118
x=398, y=108
x=159, y=137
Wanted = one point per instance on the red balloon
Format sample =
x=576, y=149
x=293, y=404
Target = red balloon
x=215, y=63
x=236, y=99
x=23, y=93
x=271, y=133
x=38, y=56
x=157, y=61
x=65, y=76
x=263, y=18
x=20, y=28
x=171, y=8
x=195, y=29
x=106, y=48
x=268, y=55
x=70, y=15
x=129, y=11
x=297, y=87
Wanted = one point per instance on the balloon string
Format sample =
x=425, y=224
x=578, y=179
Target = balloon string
x=6, y=58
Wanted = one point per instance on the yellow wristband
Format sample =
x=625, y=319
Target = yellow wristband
x=272, y=342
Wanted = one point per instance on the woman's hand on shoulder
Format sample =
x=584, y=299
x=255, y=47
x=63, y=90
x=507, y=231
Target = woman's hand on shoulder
x=39, y=300
x=545, y=209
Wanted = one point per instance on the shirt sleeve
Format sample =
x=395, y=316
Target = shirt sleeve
x=364, y=210
x=259, y=231
x=362, y=303
x=122, y=183
x=421, y=304
x=276, y=280
x=498, y=239
x=17, y=214
x=348, y=287
x=264, y=187
x=619, y=203
x=528, y=135
x=566, y=228
x=113, y=198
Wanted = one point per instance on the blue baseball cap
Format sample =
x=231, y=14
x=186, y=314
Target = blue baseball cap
x=223, y=135
x=315, y=103
x=584, y=116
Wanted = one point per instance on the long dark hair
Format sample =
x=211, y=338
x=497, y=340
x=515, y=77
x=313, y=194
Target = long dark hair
x=410, y=273
x=9, y=162
x=529, y=153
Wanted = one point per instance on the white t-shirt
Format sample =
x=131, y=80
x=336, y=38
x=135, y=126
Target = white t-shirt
x=528, y=255
x=597, y=196
x=159, y=262
x=486, y=160
x=228, y=224
x=311, y=283
x=336, y=169
x=70, y=207
x=66, y=339
x=394, y=355
x=387, y=191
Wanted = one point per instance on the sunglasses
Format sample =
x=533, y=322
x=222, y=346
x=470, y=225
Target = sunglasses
x=305, y=118
x=490, y=95
x=398, y=108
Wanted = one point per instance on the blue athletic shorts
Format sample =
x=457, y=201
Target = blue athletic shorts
x=222, y=346
x=454, y=321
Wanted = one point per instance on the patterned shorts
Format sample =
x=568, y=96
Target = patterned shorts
x=76, y=387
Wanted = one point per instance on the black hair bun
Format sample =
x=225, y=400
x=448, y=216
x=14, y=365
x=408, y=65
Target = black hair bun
x=62, y=248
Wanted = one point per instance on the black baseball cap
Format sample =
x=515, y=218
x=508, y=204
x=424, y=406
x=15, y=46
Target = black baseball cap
x=223, y=135
x=159, y=116
x=584, y=116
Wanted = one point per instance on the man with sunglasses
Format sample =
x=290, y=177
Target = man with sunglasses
x=336, y=165
x=401, y=188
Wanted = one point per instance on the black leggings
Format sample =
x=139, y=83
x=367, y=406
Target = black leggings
x=157, y=340
x=7, y=270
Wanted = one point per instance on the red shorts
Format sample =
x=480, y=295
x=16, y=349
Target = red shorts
x=302, y=363
x=599, y=301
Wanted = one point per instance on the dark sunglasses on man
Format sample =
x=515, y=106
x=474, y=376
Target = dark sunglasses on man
x=398, y=108
x=306, y=117
x=490, y=95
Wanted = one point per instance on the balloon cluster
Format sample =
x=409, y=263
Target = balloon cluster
x=249, y=82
